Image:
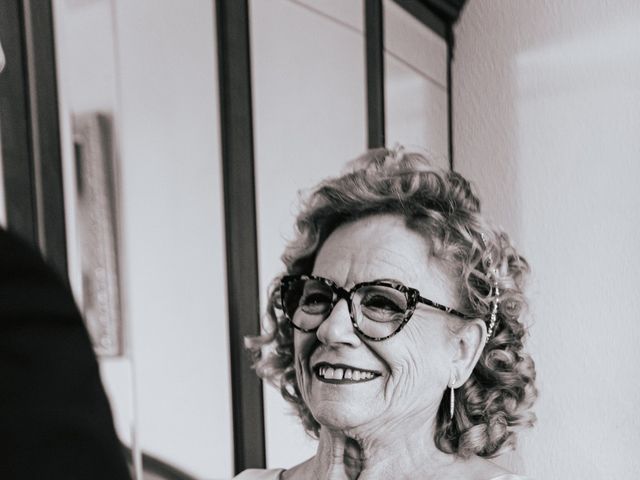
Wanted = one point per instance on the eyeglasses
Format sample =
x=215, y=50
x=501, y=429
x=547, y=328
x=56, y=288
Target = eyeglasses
x=379, y=309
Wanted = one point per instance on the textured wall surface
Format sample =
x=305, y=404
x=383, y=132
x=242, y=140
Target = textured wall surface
x=547, y=115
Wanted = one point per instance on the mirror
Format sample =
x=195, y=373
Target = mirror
x=141, y=78
x=139, y=127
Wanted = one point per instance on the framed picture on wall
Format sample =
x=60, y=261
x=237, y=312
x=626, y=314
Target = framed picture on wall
x=96, y=229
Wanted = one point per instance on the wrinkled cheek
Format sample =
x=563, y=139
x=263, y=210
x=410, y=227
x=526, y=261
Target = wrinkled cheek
x=404, y=382
x=303, y=378
x=301, y=365
x=300, y=372
x=416, y=387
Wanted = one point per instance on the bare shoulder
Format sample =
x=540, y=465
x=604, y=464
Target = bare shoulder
x=491, y=471
x=482, y=469
x=302, y=470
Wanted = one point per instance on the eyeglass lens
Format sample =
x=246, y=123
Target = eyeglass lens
x=377, y=310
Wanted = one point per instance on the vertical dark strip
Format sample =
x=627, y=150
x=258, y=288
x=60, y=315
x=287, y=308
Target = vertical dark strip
x=240, y=227
x=32, y=165
x=14, y=126
x=47, y=157
x=450, y=47
x=374, y=47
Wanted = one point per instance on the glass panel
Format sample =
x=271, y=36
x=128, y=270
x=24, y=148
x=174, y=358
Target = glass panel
x=310, y=117
x=151, y=65
x=415, y=85
x=87, y=92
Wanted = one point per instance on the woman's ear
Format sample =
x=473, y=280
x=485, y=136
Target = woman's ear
x=470, y=340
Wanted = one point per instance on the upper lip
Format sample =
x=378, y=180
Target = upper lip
x=344, y=367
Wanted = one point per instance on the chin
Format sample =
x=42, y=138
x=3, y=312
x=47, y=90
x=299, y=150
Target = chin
x=340, y=417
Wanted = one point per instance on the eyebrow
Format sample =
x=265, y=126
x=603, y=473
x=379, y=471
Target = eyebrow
x=383, y=279
x=389, y=279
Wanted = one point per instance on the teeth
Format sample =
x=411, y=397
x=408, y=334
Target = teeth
x=344, y=373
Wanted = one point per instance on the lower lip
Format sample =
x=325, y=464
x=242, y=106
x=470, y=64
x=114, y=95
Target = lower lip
x=344, y=381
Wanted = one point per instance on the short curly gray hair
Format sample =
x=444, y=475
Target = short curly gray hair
x=495, y=401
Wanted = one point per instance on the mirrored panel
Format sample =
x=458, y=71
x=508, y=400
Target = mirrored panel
x=415, y=64
x=309, y=118
x=143, y=190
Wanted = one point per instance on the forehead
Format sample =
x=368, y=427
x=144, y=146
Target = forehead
x=380, y=247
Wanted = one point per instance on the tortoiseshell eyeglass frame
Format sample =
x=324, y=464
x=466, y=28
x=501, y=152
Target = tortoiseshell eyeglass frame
x=412, y=295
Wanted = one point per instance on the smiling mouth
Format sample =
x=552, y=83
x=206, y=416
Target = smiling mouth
x=342, y=374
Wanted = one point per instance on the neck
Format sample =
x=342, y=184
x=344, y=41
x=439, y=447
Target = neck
x=397, y=450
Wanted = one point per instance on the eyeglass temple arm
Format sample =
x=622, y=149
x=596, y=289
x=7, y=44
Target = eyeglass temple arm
x=443, y=308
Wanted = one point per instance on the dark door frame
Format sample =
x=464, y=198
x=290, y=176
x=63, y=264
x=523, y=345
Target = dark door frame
x=31, y=158
x=236, y=120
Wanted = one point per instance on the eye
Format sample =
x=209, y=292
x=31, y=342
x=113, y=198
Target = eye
x=314, y=298
x=376, y=301
x=381, y=304
x=315, y=302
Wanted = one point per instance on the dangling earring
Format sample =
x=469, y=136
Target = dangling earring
x=495, y=292
x=494, y=307
x=452, y=397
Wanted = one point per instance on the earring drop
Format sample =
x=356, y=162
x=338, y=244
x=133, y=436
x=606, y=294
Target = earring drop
x=452, y=397
x=494, y=311
x=495, y=291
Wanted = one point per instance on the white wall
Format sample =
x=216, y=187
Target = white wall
x=174, y=280
x=547, y=115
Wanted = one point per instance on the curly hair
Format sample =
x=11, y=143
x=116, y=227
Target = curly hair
x=494, y=403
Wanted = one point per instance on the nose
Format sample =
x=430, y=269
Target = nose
x=337, y=328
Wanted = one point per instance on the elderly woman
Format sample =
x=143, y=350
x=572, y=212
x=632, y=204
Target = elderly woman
x=396, y=331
